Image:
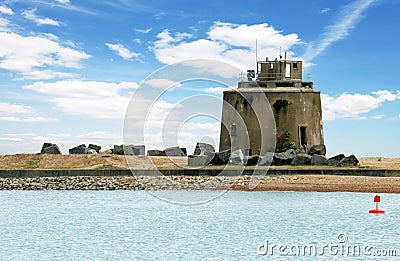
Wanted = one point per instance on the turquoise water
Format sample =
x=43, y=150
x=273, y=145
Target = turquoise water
x=133, y=225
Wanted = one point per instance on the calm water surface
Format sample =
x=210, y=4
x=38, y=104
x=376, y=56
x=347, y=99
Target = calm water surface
x=133, y=225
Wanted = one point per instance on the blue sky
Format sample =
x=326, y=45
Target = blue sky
x=68, y=68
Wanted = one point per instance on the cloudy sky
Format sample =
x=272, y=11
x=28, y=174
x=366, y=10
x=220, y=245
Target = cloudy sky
x=68, y=69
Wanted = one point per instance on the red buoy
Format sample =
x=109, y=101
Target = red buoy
x=377, y=199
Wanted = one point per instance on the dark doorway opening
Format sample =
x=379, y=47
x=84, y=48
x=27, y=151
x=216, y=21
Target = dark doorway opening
x=303, y=136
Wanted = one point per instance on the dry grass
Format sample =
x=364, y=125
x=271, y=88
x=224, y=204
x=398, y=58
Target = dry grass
x=47, y=161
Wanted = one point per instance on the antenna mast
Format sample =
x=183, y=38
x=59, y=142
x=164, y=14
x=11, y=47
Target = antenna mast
x=256, y=55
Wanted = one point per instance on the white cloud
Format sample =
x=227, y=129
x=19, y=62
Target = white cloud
x=26, y=119
x=217, y=90
x=6, y=10
x=3, y=24
x=10, y=108
x=45, y=75
x=324, y=10
x=231, y=43
x=100, y=100
x=123, y=51
x=66, y=2
x=31, y=15
x=349, y=16
x=162, y=83
x=14, y=113
x=27, y=54
x=143, y=31
x=353, y=106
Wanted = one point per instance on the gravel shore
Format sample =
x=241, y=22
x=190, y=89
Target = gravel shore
x=318, y=183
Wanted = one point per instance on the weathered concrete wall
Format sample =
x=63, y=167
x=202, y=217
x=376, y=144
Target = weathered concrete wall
x=199, y=172
x=292, y=109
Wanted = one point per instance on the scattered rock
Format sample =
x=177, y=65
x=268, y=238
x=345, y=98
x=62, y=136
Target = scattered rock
x=251, y=160
x=119, y=149
x=267, y=159
x=155, y=153
x=139, y=150
x=50, y=148
x=198, y=160
x=283, y=158
x=301, y=159
x=202, y=148
x=349, y=161
x=236, y=157
x=317, y=159
x=81, y=149
x=105, y=151
x=334, y=161
x=318, y=149
x=94, y=147
x=91, y=151
x=175, y=152
x=221, y=158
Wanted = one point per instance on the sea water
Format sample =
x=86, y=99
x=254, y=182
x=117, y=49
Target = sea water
x=134, y=225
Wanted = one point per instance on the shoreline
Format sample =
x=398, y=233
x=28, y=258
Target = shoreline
x=298, y=183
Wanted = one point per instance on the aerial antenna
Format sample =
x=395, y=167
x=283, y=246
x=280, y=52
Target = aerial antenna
x=256, y=54
x=280, y=53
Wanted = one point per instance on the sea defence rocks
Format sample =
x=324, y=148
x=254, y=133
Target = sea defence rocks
x=251, y=160
x=237, y=157
x=105, y=151
x=170, y=152
x=198, y=160
x=283, y=158
x=203, y=148
x=301, y=159
x=80, y=149
x=155, y=153
x=348, y=161
x=318, y=149
x=318, y=160
x=132, y=150
x=94, y=147
x=220, y=158
x=334, y=161
x=175, y=152
x=289, y=157
x=50, y=148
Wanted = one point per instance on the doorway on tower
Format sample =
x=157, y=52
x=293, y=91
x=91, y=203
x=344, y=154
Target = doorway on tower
x=303, y=137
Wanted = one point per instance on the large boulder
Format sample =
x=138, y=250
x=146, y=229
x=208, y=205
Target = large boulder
x=95, y=147
x=220, y=158
x=283, y=158
x=50, y=148
x=105, y=151
x=301, y=159
x=119, y=149
x=317, y=159
x=175, y=152
x=138, y=150
x=198, y=160
x=236, y=157
x=267, y=159
x=349, y=161
x=134, y=150
x=251, y=160
x=334, y=161
x=81, y=149
x=318, y=149
x=202, y=148
x=155, y=153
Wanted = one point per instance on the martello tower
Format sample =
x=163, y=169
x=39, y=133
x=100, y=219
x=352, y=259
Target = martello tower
x=294, y=104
